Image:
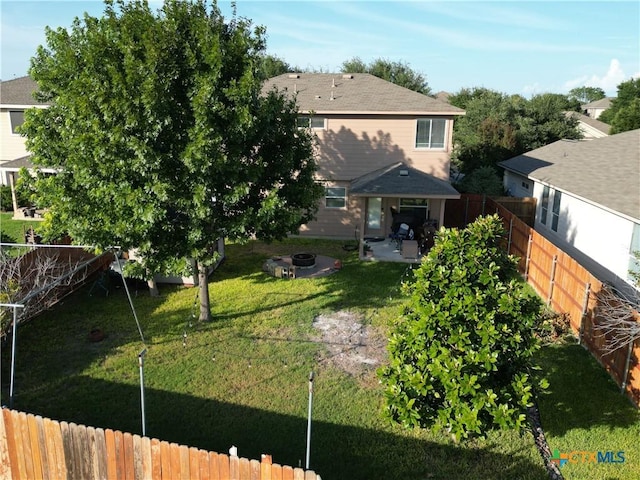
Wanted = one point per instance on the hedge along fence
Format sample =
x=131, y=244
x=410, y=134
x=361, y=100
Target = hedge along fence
x=566, y=287
x=32, y=447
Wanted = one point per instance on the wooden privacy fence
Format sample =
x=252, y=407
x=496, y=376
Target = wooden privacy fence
x=32, y=447
x=566, y=287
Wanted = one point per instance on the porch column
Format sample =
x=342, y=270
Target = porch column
x=14, y=198
x=441, y=215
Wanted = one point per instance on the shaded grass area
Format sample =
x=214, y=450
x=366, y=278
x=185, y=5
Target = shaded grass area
x=242, y=379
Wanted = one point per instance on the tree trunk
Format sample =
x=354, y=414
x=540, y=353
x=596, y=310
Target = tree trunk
x=533, y=414
x=203, y=285
x=153, y=287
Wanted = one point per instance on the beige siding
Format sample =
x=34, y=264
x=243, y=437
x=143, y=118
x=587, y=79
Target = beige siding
x=11, y=145
x=335, y=222
x=353, y=146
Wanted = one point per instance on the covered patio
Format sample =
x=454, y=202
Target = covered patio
x=402, y=208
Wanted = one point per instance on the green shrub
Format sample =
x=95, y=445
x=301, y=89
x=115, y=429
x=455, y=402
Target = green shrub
x=460, y=353
x=6, y=203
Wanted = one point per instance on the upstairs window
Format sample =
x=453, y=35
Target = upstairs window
x=555, y=212
x=430, y=132
x=310, y=122
x=544, y=205
x=17, y=119
x=335, y=197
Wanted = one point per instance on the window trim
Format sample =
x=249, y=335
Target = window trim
x=335, y=197
x=429, y=145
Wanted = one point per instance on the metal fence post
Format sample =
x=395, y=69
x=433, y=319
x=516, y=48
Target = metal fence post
x=309, y=420
x=141, y=365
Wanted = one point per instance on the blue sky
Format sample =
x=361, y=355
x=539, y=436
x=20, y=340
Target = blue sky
x=509, y=46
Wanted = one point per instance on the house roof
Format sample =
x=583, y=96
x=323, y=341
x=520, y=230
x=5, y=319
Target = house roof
x=602, y=103
x=399, y=180
x=592, y=122
x=603, y=171
x=18, y=92
x=356, y=93
x=17, y=164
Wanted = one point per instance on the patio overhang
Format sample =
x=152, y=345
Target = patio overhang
x=401, y=180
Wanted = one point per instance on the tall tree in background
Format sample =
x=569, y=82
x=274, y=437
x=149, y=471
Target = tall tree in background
x=397, y=72
x=272, y=66
x=586, y=94
x=161, y=135
x=624, y=113
x=497, y=126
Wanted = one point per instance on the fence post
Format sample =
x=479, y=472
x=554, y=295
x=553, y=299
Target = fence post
x=552, y=279
x=626, y=367
x=585, y=304
x=484, y=203
x=510, y=233
x=528, y=259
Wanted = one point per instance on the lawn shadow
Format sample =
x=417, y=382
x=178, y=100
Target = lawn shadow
x=581, y=393
x=337, y=451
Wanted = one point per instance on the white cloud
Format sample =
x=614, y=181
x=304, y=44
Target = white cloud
x=609, y=82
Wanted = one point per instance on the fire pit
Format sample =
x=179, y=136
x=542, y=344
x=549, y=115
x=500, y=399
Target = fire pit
x=304, y=260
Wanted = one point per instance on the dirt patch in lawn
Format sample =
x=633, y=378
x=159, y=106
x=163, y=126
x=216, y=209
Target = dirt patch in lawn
x=352, y=346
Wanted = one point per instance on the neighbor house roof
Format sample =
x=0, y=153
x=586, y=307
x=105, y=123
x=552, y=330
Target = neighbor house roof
x=18, y=92
x=603, y=171
x=602, y=103
x=400, y=179
x=592, y=122
x=356, y=93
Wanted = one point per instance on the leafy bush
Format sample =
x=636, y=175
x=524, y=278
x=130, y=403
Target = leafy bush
x=5, y=198
x=460, y=353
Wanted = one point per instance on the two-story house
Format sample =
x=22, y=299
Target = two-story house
x=381, y=148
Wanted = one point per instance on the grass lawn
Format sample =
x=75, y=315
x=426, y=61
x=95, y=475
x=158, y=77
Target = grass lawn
x=13, y=230
x=243, y=378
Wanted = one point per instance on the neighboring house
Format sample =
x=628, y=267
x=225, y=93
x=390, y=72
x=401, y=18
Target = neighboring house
x=588, y=200
x=15, y=97
x=590, y=127
x=381, y=148
x=594, y=109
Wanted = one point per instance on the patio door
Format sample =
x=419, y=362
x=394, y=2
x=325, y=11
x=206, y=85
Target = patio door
x=374, y=219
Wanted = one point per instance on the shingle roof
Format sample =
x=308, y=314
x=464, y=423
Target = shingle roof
x=602, y=103
x=18, y=91
x=17, y=164
x=400, y=179
x=356, y=93
x=597, y=124
x=604, y=171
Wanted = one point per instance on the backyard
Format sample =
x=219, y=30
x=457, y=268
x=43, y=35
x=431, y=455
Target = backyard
x=242, y=379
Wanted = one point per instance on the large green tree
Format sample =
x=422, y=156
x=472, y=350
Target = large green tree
x=162, y=137
x=460, y=354
x=586, y=94
x=624, y=113
x=497, y=126
x=397, y=72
